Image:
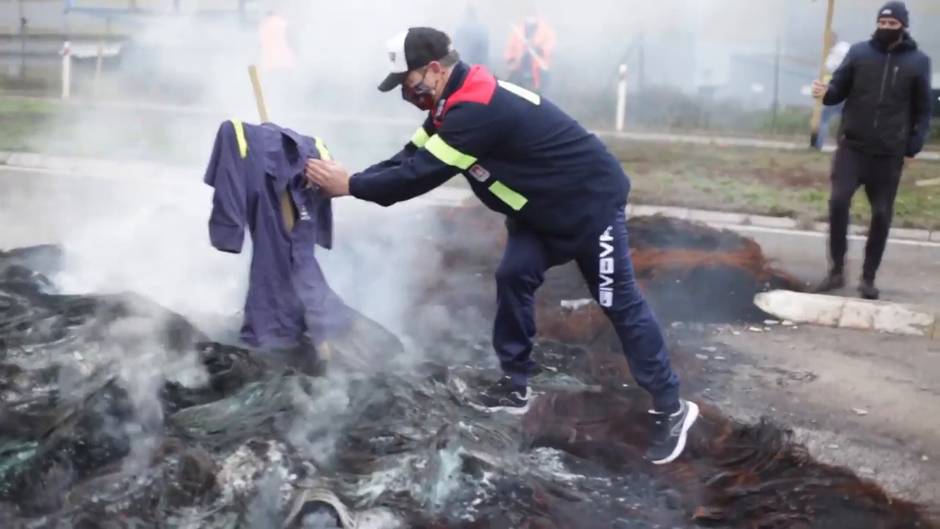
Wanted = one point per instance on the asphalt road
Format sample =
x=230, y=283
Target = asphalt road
x=910, y=271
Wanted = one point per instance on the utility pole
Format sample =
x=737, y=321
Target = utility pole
x=22, y=19
x=621, y=110
x=641, y=67
x=776, y=103
x=102, y=41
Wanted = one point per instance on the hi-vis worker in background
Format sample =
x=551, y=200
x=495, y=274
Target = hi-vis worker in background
x=276, y=52
x=529, y=53
x=563, y=193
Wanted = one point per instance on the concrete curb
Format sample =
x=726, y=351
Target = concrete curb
x=763, y=221
x=850, y=313
x=914, y=235
x=69, y=165
x=669, y=211
x=726, y=141
x=443, y=196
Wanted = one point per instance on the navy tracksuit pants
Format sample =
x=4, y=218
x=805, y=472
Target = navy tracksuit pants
x=605, y=264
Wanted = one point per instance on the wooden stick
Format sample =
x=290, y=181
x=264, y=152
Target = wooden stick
x=259, y=95
x=827, y=43
x=288, y=210
x=539, y=61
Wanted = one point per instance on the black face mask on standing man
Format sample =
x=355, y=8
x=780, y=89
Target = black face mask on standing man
x=888, y=36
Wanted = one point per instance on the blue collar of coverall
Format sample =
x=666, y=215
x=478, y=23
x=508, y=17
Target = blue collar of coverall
x=285, y=154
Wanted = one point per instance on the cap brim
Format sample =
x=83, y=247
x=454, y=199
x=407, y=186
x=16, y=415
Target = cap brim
x=393, y=80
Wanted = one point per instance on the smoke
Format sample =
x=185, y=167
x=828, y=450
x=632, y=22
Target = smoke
x=140, y=227
x=137, y=348
x=126, y=228
x=264, y=510
x=319, y=520
x=139, y=224
x=317, y=422
x=182, y=74
x=130, y=228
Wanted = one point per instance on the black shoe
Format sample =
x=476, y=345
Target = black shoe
x=670, y=433
x=833, y=281
x=504, y=396
x=868, y=290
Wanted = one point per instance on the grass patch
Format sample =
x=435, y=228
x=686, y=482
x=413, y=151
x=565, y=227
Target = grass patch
x=760, y=181
x=765, y=182
x=66, y=130
x=18, y=129
x=16, y=105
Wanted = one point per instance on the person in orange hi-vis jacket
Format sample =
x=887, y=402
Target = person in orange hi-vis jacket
x=529, y=53
x=276, y=53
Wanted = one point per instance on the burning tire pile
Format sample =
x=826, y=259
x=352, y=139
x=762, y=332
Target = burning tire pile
x=116, y=413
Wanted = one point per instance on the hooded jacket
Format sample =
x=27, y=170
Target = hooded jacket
x=887, y=98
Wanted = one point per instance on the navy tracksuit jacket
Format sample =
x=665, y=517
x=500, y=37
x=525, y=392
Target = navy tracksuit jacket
x=564, y=194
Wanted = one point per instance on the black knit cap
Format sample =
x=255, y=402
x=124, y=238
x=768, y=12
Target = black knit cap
x=897, y=10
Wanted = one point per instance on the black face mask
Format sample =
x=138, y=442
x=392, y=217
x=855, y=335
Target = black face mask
x=420, y=95
x=888, y=36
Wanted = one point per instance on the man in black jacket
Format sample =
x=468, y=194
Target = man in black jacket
x=885, y=84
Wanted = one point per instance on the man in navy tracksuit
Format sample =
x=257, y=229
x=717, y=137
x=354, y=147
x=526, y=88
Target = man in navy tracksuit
x=564, y=195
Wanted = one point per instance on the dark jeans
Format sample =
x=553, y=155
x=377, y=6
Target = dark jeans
x=606, y=267
x=880, y=175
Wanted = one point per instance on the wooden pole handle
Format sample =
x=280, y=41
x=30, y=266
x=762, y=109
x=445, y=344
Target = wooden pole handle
x=259, y=95
x=827, y=44
x=288, y=210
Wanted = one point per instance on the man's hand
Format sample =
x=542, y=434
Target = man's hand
x=819, y=89
x=332, y=177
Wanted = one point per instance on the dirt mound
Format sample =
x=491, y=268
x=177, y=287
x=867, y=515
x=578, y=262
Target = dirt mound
x=688, y=272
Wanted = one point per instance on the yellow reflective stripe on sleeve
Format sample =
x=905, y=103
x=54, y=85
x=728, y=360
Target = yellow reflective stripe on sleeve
x=510, y=197
x=420, y=138
x=447, y=154
x=321, y=148
x=528, y=95
x=240, y=137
